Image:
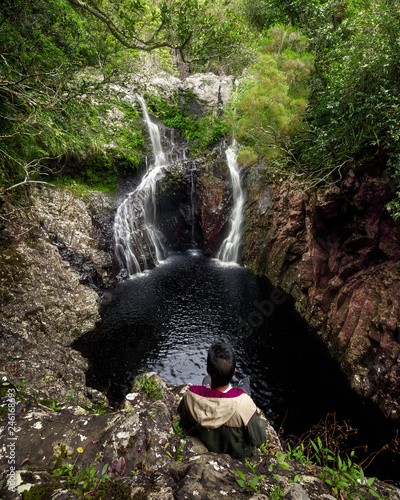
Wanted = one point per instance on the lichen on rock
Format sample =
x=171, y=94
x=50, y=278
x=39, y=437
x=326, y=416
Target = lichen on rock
x=46, y=301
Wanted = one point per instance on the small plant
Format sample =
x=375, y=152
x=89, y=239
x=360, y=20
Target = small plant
x=54, y=406
x=298, y=453
x=149, y=385
x=276, y=493
x=281, y=458
x=245, y=483
x=344, y=477
x=21, y=384
x=178, y=451
x=86, y=477
x=178, y=431
x=178, y=434
x=71, y=396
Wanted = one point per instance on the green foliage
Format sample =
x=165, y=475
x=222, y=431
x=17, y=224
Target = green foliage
x=178, y=450
x=222, y=40
x=262, y=14
x=350, y=115
x=96, y=407
x=148, y=385
x=298, y=453
x=270, y=105
x=201, y=132
x=85, y=478
x=276, y=493
x=51, y=403
x=247, y=157
x=355, y=103
x=52, y=106
x=177, y=434
x=344, y=476
x=246, y=483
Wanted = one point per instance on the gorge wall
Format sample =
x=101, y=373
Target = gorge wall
x=53, y=271
x=336, y=251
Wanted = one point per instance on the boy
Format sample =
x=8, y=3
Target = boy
x=224, y=418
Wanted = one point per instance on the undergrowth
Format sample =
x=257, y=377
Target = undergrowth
x=322, y=452
x=148, y=385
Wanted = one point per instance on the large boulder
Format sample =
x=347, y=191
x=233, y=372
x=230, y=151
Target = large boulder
x=210, y=91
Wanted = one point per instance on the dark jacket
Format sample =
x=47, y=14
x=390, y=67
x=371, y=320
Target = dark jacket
x=225, y=422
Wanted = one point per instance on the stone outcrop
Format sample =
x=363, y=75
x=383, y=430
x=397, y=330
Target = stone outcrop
x=214, y=200
x=143, y=453
x=210, y=91
x=337, y=252
x=52, y=263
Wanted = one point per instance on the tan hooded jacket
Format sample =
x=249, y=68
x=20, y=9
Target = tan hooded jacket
x=225, y=422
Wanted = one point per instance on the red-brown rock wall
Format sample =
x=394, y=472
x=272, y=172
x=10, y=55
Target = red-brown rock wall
x=337, y=251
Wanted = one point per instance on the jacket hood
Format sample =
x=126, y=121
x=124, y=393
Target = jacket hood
x=213, y=408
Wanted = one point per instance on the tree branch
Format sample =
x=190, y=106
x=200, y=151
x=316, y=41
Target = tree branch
x=140, y=44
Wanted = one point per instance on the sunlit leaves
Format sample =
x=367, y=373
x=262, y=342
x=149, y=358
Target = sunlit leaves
x=271, y=104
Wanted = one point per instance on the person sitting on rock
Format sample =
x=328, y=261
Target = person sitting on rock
x=225, y=418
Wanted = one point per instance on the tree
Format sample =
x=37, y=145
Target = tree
x=45, y=108
x=270, y=106
x=355, y=105
x=185, y=26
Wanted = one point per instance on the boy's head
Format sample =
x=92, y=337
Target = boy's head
x=221, y=363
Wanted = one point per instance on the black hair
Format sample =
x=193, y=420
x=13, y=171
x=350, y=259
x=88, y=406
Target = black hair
x=221, y=363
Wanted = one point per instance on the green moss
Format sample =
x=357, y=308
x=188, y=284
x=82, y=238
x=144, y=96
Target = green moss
x=3, y=411
x=115, y=490
x=40, y=491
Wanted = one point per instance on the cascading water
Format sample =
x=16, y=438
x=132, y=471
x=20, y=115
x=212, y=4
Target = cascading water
x=137, y=240
x=192, y=200
x=229, y=251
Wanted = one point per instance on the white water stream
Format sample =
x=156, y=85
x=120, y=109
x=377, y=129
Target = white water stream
x=229, y=251
x=136, y=236
x=137, y=239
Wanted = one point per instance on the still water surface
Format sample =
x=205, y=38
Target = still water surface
x=165, y=320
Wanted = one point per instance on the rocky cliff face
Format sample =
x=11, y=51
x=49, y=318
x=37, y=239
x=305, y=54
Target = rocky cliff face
x=337, y=252
x=53, y=268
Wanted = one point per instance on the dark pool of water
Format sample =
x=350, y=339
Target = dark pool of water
x=166, y=319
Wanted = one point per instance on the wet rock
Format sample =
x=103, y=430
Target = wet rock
x=214, y=200
x=337, y=252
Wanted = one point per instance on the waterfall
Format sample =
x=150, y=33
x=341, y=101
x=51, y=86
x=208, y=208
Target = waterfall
x=192, y=200
x=137, y=239
x=229, y=251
